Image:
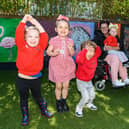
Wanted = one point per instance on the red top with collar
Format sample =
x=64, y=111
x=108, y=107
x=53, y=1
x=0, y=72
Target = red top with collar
x=86, y=68
x=29, y=59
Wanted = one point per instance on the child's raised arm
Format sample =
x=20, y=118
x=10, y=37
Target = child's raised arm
x=26, y=18
x=31, y=19
x=98, y=51
x=19, y=35
x=37, y=25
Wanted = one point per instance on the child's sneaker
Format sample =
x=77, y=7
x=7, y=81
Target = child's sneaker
x=91, y=106
x=117, y=84
x=126, y=81
x=78, y=112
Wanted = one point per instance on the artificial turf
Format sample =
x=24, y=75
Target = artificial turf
x=112, y=113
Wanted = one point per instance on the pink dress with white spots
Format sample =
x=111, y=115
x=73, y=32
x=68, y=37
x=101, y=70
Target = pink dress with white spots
x=61, y=67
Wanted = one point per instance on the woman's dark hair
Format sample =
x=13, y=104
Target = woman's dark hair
x=104, y=22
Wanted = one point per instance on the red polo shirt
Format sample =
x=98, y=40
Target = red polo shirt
x=86, y=68
x=29, y=59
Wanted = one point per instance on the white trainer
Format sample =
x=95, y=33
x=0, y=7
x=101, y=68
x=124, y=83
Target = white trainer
x=78, y=112
x=118, y=83
x=126, y=81
x=91, y=106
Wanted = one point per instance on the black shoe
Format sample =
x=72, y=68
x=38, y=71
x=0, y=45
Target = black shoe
x=65, y=105
x=59, y=106
x=126, y=64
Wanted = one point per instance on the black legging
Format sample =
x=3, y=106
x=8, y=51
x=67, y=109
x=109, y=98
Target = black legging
x=24, y=85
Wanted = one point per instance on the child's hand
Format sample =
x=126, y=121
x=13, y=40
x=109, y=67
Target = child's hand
x=56, y=52
x=107, y=47
x=37, y=24
x=27, y=17
x=71, y=49
x=70, y=46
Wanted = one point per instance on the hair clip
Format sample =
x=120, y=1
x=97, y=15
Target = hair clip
x=61, y=17
x=113, y=25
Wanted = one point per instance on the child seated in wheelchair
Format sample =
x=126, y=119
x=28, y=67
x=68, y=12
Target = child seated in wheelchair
x=111, y=46
x=112, y=42
x=116, y=66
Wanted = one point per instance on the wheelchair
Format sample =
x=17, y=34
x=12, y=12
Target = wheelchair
x=102, y=74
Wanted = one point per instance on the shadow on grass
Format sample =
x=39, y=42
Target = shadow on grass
x=112, y=106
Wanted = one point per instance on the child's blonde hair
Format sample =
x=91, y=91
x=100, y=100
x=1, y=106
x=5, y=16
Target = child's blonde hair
x=113, y=26
x=88, y=42
x=28, y=28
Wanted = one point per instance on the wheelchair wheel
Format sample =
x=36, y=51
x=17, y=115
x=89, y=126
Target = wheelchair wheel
x=100, y=85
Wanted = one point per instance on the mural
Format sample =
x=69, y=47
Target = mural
x=81, y=31
x=125, y=37
x=8, y=48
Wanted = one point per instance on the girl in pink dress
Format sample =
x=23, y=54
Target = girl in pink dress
x=61, y=64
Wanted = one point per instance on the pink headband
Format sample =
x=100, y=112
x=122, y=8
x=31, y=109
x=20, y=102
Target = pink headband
x=61, y=17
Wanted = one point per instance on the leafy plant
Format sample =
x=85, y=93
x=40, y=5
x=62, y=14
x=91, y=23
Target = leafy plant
x=88, y=9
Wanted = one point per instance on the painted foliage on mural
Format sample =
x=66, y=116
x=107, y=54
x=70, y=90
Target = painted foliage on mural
x=81, y=31
x=8, y=48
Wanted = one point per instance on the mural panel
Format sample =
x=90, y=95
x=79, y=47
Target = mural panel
x=81, y=31
x=8, y=48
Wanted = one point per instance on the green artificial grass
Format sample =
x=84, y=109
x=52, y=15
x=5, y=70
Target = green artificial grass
x=112, y=113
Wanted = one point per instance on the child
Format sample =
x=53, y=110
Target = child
x=87, y=63
x=31, y=42
x=111, y=41
x=61, y=64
